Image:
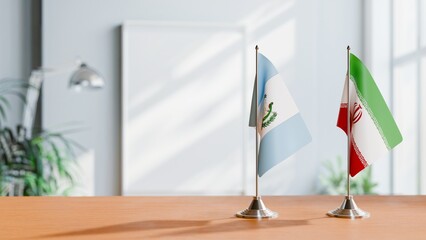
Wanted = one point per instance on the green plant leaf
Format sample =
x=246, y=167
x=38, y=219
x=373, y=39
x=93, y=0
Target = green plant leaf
x=45, y=160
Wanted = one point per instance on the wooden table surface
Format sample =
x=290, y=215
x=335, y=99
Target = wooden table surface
x=300, y=217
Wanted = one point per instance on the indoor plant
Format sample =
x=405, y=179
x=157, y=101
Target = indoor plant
x=334, y=179
x=40, y=164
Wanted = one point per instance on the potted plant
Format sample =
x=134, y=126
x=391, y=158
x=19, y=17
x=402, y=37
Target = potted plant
x=40, y=164
x=333, y=181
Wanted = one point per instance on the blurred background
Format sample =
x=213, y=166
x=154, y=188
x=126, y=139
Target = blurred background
x=172, y=115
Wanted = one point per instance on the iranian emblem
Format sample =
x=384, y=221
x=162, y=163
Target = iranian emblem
x=269, y=115
x=357, y=113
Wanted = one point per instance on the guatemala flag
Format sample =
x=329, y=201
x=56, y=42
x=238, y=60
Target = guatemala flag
x=280, y=126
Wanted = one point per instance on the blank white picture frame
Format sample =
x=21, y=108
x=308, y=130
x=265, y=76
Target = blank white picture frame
x=183, y=112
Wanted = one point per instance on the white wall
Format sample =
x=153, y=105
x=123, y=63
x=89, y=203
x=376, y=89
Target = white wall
x=390, y=29
x=15, y=47
x=305, y=39
x=340, y=23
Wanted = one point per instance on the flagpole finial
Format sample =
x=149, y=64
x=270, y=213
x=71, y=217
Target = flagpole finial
x=349, y=48
x=257, y=47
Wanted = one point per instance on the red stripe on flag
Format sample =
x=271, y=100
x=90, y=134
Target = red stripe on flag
x=358, y=162
x=343, y=116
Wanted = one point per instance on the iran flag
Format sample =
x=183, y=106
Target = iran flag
x=373, y=129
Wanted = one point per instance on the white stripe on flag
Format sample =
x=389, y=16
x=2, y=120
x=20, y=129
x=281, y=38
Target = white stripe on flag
x=283, y=104
x=365, y=133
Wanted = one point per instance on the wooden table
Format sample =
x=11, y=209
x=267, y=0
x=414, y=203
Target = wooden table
x=301, y=217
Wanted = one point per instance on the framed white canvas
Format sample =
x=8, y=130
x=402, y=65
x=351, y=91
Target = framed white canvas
x=184, y=115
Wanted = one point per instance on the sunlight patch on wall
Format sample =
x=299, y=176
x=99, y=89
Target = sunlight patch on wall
x=406, y=116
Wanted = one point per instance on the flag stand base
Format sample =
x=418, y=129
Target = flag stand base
x=257, y=209
x=348, y=209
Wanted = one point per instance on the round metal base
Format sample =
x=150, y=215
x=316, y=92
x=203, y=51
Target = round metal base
x=257, y=209
x=348, y=209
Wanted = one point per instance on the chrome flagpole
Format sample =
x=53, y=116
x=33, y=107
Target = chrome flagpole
x=348, y=208
x=257, y=208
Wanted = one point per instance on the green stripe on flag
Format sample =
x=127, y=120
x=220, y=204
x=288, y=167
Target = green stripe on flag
x=372, y=99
